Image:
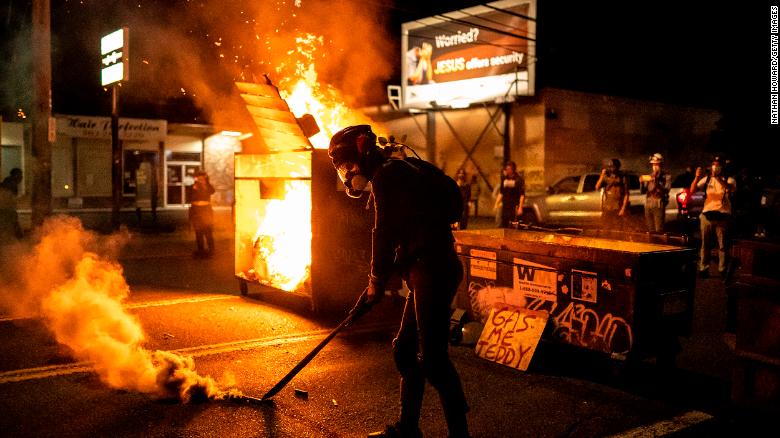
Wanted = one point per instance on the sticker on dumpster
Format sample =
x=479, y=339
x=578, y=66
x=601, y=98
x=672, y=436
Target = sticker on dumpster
x=511, y=335
x=584, y=286
x=533, y=280
x=482, y=268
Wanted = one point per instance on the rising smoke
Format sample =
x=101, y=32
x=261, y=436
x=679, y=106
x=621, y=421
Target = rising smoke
x=198, y=49
x=69, y=279
x=210, y=44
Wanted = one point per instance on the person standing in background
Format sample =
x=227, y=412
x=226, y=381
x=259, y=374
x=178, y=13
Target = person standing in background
x=715, y=216
x=465, y=192
x=614, y=201
x=475, y=191
x=656, y=185
x=202, y=215
x=510, y=196
x=10, y=229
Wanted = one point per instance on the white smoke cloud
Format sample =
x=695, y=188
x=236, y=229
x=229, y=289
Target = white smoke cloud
x=68, y=279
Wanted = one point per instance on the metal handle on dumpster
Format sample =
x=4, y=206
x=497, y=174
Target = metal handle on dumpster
x=361, y=307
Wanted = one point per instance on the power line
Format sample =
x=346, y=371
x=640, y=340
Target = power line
x=488, y=28
x=511, y=13
x=487, y=43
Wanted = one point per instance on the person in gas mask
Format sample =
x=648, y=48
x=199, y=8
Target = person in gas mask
x=410, y=236
x=715, y=216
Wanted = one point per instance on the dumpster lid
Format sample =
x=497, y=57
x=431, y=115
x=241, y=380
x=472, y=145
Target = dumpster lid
x=498, y=238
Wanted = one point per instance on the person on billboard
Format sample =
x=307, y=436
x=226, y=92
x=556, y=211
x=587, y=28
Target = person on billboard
x=614, y=200
x=411, y=236
x=510, y=196
x=418, y=65
x=201, y=215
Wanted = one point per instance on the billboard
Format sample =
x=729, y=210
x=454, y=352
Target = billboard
x=484, y=53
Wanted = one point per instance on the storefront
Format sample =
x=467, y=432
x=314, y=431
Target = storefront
x=158, y=163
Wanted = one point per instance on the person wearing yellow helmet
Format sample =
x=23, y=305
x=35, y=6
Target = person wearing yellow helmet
x=656, y=187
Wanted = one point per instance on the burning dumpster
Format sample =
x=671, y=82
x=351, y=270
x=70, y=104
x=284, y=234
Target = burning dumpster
x=627, y=299
x=294, y=232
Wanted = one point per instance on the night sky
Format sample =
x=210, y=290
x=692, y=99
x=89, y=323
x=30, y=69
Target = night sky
x=706, y=54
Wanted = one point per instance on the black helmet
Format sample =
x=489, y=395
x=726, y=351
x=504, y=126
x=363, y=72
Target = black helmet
x=352, y=143
x=355, y=155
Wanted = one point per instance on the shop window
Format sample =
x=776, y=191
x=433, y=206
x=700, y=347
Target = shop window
x=133, y=160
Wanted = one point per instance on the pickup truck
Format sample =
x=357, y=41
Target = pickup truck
x=574, y=201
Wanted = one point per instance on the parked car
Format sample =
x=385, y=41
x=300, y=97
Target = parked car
x=574, y=201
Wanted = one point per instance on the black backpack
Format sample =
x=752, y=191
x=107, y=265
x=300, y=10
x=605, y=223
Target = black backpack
x=444, y=192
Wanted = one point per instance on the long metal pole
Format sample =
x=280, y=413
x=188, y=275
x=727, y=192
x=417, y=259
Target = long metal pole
x=116, y=160
x=507, y=107
x=361, y=307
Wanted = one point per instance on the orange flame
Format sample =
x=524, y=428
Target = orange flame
x=283, y=239
x=307, y=95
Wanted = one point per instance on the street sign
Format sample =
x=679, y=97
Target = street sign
x=114, y=60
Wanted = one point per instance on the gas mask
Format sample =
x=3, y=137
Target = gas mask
x=354, y=181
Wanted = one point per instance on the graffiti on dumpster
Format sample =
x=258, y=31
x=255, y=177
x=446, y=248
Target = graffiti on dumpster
x=579, y=325
x=510, y=336
x=484, y=297
x=574, y=323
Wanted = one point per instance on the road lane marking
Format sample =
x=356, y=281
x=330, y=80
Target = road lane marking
x=666, y=427
x=195, y=352
x=158, y=303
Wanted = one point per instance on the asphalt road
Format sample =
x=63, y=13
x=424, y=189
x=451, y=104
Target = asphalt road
x=193, y=307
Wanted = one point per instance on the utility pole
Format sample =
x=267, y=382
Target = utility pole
x=507, y=108
x=41, y=111
x=116, y=160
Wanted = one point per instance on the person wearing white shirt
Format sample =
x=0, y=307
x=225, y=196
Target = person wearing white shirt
x=716, y=214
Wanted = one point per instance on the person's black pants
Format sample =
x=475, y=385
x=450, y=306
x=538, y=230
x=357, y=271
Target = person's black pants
x=204, y=237
x=420, y=348
x=202, y=219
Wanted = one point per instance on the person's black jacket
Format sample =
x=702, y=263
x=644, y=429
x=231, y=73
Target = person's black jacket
x=408, y=226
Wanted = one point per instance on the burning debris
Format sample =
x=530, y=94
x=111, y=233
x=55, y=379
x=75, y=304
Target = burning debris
x=78, y=294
